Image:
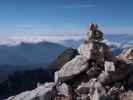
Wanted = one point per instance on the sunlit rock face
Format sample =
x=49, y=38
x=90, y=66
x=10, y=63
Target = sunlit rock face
x=94, y=74
x=72, y=68
x=67, y=55
x=127, y=54
x=43, y=92
x=97, y=51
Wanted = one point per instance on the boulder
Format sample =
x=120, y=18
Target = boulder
x=103, y=77
x=74, y=67
x=117, y=75
x=120, y=74
x=115, y=91
x=126, y=95
x=89, y=87
x=84, y=88
x=62, y=59
x=64, y=90
x=97, y=51
x=127, y=54
x=63, y=98
x=93, y=72
x=96, y=95
x=98, y=92
x=44, y=92
x=85, y=49
x=83, y=97
x=109, y=66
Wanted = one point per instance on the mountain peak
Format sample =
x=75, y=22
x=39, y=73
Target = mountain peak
x=92, y=74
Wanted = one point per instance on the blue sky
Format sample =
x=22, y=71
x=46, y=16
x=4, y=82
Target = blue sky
x=64, y=16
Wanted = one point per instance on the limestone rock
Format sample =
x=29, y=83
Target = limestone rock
x=115, y=76
x=96, y=95
x=126, y=95
x=85, y=49
x=86, y=87
x=93, y=87
x=99, y=91
x=44, y=92
x=62, y=59
x=127, y=54
x=109, y=66
x=120, y=74
x=64, y=89
x=115, y=91
x=83, y=88
x=83, y=97
x=103, y=77
x=93, y=72
x=97, y=51
x=63, y=98
x=72, y=68
x=94, y=33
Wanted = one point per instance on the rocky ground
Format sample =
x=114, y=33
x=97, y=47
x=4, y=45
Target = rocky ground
x=93, y=74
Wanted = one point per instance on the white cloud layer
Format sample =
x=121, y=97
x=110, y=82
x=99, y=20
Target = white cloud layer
x=14, y=40
x=36, y=33
x=117, y=41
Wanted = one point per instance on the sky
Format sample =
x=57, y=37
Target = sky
x=51, y=17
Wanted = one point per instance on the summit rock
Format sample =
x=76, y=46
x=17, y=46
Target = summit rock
x=93, y=73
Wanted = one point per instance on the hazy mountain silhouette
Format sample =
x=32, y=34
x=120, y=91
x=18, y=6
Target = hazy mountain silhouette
x=27, y=56
x=29, y=53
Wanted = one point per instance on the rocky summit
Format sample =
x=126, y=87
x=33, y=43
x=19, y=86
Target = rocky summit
x=93, y=74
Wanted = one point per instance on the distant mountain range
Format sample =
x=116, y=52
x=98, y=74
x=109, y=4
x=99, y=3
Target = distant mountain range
x=29, y=53
x=26, y=56
x=72, y=40
x=113, y=40
x=36, y=52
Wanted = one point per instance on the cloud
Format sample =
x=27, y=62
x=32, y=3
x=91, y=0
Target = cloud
x=14, y=40
x=37, y=33
x=15, y=34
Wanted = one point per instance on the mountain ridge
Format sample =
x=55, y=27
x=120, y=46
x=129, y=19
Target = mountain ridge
x=29, y=53
x=93, y=73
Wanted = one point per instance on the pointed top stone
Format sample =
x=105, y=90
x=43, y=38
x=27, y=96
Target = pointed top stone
x=94, y=33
